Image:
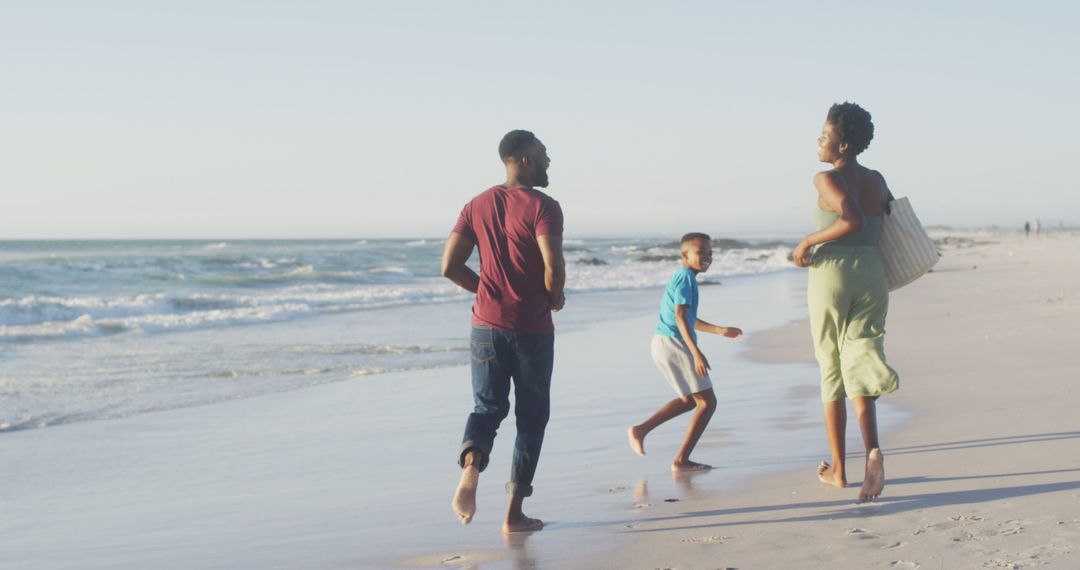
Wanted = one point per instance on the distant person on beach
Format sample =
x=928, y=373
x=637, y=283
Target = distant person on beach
x=1027, y=229
x=518, y=231
x=675, y=352
x=1038, y=227
x=846, y=293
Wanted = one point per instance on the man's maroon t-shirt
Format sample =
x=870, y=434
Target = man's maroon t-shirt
x=504, y=223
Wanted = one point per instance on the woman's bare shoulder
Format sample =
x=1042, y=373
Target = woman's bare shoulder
x=826, y=179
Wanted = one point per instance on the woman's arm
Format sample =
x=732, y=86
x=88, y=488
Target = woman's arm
x=850, y=221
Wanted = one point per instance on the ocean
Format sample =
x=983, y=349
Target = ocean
x=93, y=330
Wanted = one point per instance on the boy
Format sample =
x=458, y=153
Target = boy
x=675, y=352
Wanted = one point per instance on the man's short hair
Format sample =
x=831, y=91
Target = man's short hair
x=692, y=236
x=516, y=144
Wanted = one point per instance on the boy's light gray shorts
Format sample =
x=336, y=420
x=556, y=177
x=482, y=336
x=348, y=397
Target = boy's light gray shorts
x=674, y=360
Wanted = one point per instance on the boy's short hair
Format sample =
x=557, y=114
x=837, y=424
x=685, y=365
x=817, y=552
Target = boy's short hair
x=693, y=236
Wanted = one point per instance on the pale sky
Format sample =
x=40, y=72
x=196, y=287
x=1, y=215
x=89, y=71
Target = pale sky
x=230, y=119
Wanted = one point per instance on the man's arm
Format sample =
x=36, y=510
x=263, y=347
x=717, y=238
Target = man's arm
x=554, y=269
x=455, y=254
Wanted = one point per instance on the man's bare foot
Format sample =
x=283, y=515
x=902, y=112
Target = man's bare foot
x=689, y=466
x=637, y=440
x=522, y=524
x=464, y=502
x=828, y=475
x=874, y=480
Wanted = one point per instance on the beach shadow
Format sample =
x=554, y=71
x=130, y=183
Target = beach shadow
x=976, y=443
x=913, y=480
x=845, y=509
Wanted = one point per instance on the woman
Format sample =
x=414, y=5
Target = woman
x=847, y=294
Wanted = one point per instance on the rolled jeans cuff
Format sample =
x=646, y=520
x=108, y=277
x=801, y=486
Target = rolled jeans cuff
x=518, y=489
x=470, y=445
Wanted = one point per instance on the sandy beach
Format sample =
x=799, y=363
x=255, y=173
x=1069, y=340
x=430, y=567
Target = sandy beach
x=984, y=474
x=980, y=445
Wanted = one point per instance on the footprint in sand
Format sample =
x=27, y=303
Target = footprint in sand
x=1042, y=553
x=904, y=564
x=1009, y=528
x=453, y=559
x=966, y=519
x=861, y=533
x=715, y=539
x=964, y=537
x=894, y=546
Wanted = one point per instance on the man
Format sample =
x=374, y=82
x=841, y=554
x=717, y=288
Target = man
x=518, y=231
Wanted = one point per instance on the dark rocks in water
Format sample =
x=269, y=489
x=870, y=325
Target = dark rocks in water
x=653, y=257
x=773, y=244
x=727, y=243
x=718, y=244
x=590, y=261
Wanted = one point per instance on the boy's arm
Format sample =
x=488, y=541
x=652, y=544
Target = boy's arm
x=701, y=364
x=554, y=269
x=730, y=332
x=455, y=254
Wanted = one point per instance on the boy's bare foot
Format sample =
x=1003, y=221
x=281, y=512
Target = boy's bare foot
x=522, y=524
x=464, y=502
x=689, y=466
x=874, y=480
x=637, y=440
x=828, y=475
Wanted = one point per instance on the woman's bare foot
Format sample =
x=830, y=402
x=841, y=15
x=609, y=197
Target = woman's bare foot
x=874, y=480
x=828, y=475
x=688, y=466
x=464, y=502
x=522, y=523
x=637, y=440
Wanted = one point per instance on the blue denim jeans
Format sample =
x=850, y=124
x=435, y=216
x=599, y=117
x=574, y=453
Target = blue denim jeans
x=497, y=357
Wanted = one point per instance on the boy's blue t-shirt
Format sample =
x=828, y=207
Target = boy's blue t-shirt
x=682, y=289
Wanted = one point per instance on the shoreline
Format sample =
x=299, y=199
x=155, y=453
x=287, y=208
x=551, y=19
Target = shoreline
x=299, y=479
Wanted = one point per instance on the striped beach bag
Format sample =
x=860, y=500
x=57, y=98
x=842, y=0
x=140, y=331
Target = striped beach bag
x=906, y=249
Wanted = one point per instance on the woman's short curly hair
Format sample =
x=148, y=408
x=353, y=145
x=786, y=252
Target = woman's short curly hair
x=854, y=125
